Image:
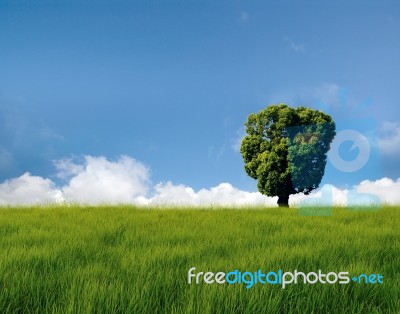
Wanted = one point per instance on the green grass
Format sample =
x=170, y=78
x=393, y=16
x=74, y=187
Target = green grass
x=123, y=259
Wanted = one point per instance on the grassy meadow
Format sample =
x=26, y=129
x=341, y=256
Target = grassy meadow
x=126, y=259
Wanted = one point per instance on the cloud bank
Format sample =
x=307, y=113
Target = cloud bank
x=100, y=180
x=96, y=180
x=29, y=189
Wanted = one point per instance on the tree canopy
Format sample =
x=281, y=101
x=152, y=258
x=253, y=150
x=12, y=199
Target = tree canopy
x=285, y=149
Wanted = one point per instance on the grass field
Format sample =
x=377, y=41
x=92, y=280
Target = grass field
x=123, y=259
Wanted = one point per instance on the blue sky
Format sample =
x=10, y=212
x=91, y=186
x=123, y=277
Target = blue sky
x=171, y=83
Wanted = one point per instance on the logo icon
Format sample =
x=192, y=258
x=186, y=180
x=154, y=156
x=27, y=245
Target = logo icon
x=359, y=141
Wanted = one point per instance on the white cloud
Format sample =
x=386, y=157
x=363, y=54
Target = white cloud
x=126, y=180
x=67, y=168
x=101, y=180
x=389, y=139
x=327, y=194
x=222, y=194
x=386, y=189
x=367, y=192
x=28, y=189
x=94, y=180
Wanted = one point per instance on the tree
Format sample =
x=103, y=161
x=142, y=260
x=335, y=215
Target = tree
x=285, y=149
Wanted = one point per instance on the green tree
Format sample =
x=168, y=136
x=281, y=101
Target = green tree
x=285, y=149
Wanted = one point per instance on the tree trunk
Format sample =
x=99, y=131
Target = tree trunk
x=283, y=201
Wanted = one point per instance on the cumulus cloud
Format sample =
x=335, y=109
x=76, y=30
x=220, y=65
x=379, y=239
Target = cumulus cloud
x=28, y=189
x=327, y=194
x=67, y=168
x=386, y=189
x=222, y=194
x=126, y=180
x=91, y=180
x=101, y=180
